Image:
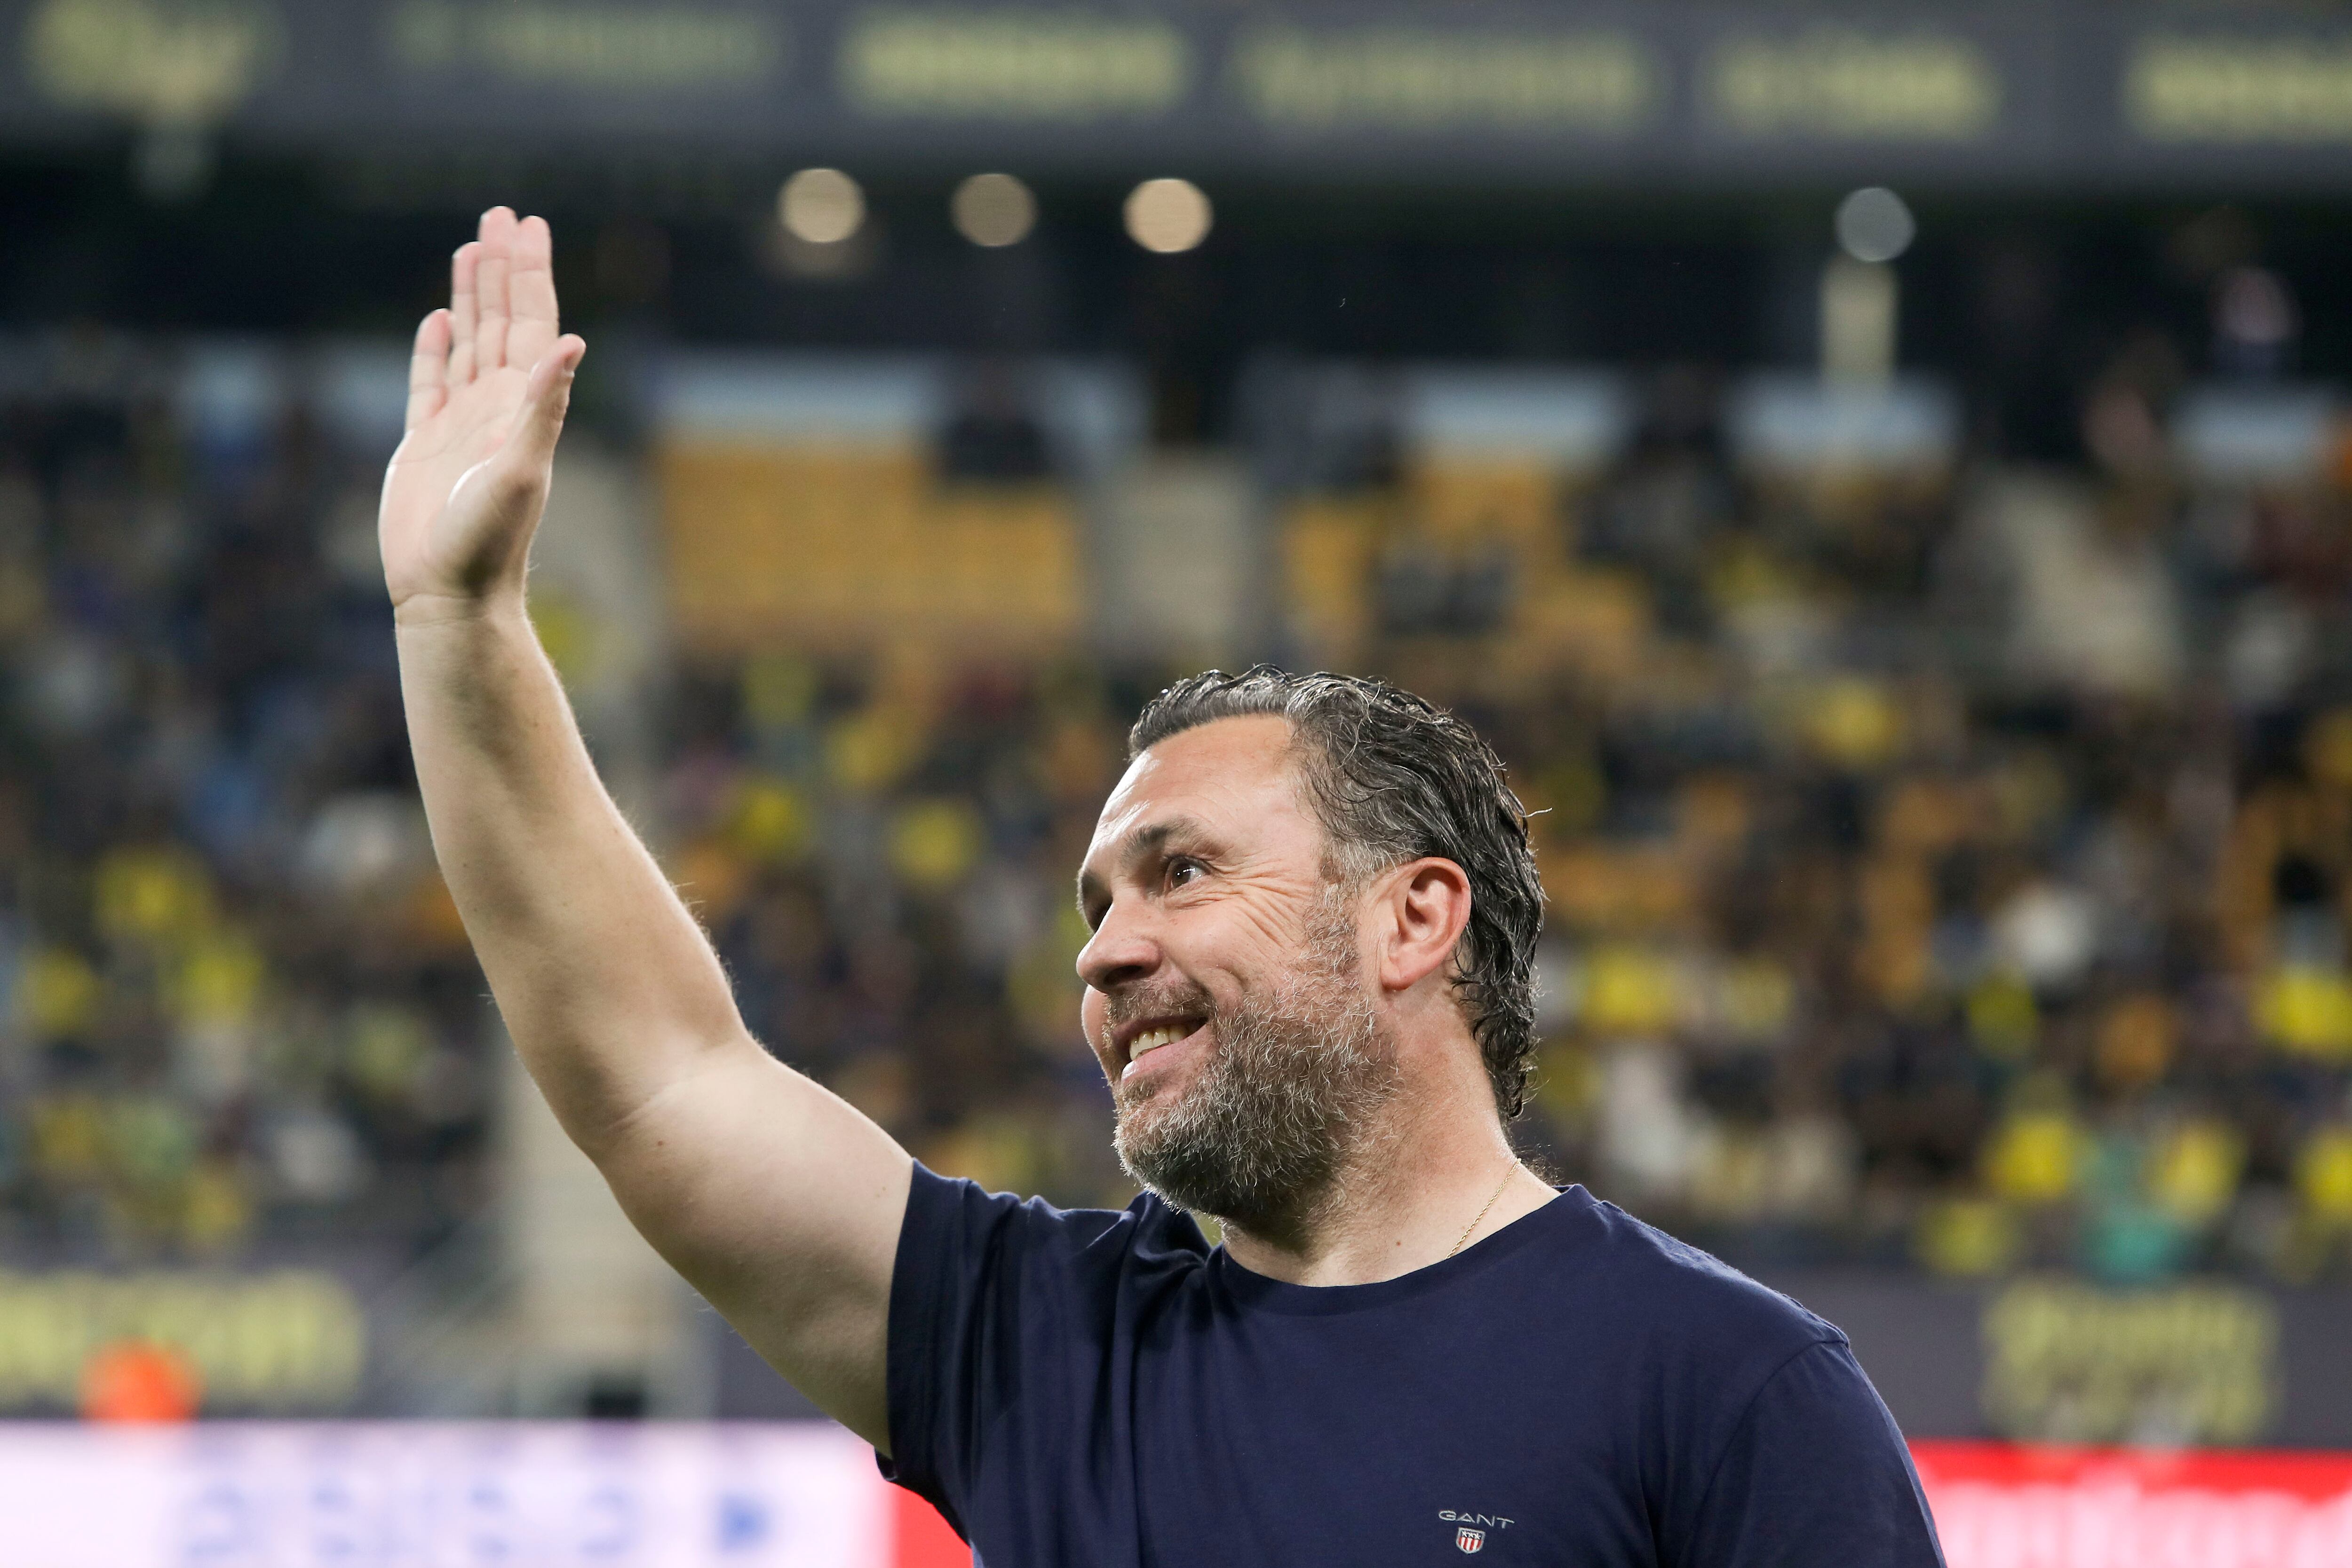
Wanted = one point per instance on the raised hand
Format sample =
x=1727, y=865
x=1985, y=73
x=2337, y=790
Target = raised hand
x=487, y=388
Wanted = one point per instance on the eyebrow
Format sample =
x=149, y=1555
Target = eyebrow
x=1139, y=845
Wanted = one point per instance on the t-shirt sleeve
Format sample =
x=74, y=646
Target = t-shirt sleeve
x=950, y=1246
x=984, y=1295
x=1816, y=1472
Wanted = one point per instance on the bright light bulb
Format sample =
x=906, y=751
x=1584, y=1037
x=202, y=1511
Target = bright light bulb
x=1872, y=225
x=1168, y=215
x=821, y=206
x=994, y=210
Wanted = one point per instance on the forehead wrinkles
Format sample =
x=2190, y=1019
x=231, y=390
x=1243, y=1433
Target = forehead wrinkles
x=1184, y=795
x=1112, y=827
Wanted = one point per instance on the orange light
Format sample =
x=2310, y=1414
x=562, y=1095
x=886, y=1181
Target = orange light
x=135, y=1381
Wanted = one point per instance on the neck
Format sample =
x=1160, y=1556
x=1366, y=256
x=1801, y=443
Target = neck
x=1414, y=1187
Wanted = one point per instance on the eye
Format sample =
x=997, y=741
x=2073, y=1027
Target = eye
x=1183, y=869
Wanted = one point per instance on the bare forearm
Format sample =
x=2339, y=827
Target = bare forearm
x=777, y=1199
x=605, y=981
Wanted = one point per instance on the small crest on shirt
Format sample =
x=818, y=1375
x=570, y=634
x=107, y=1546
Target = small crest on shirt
x=1470, y=1540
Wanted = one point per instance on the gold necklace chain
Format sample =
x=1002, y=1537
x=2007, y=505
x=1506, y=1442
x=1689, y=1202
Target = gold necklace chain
x=1491, y=1201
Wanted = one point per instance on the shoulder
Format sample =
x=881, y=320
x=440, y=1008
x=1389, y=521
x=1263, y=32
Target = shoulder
x=1670, y=1293
x=949, y=1218
x=1711, y=1359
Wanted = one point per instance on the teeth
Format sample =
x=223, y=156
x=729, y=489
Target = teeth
x=1152, y=1040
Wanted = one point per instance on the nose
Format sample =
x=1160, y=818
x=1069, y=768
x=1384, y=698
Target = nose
x=1120, y=952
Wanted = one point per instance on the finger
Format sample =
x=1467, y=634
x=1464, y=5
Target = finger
x=428, y=369
x=531, y=293
x=490, y=289
x=463, y=266
x=545, y=400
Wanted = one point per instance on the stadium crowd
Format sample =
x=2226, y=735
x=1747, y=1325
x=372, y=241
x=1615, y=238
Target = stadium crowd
x=240, y=1005
x=1947, y=868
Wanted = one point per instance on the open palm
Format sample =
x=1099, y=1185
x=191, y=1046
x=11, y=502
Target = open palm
x=487, y=388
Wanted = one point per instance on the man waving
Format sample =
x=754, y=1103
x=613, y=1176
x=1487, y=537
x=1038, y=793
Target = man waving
x=1314, y=914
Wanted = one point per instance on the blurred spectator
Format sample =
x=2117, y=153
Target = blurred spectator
x=991, y=435
x=2255, y=323
x=1670, y=496
x=2078, y=575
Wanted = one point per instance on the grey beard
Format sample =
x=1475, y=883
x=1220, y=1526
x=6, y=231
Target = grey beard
x=1265, y=1130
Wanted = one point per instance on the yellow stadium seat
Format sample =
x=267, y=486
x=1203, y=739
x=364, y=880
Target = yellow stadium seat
x=1461, y=501
x=843, y=547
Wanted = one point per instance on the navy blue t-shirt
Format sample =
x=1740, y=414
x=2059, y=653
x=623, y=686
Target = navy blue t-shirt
x=1091, y=1389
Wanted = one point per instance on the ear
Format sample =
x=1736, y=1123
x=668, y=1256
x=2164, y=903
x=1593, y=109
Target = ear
x=1419, y=917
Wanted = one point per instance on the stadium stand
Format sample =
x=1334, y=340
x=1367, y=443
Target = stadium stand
x=1946, y=859
x=240, y=1005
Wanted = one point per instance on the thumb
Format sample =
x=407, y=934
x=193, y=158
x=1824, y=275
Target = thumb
x=545, y=400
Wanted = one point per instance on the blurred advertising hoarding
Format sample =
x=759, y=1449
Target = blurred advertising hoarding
x=806, y=1495
x=2200, y=1362
x=2065, y=93
x=452, y=1495
x=264, y=1341
x=2013, y=1506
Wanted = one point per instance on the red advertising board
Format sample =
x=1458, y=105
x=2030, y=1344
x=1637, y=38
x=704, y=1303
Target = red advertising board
x=2003, y=1505
x=921, y=1538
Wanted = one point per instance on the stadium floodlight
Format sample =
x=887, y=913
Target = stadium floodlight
x=821, y=206
x=1168, y=215
x=994, y=210
x=1874, y=224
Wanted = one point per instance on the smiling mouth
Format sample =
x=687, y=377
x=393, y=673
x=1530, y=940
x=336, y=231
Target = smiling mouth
x=1157, y=1037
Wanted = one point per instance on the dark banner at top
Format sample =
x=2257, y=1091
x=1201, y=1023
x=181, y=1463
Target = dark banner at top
x=2048, y=95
